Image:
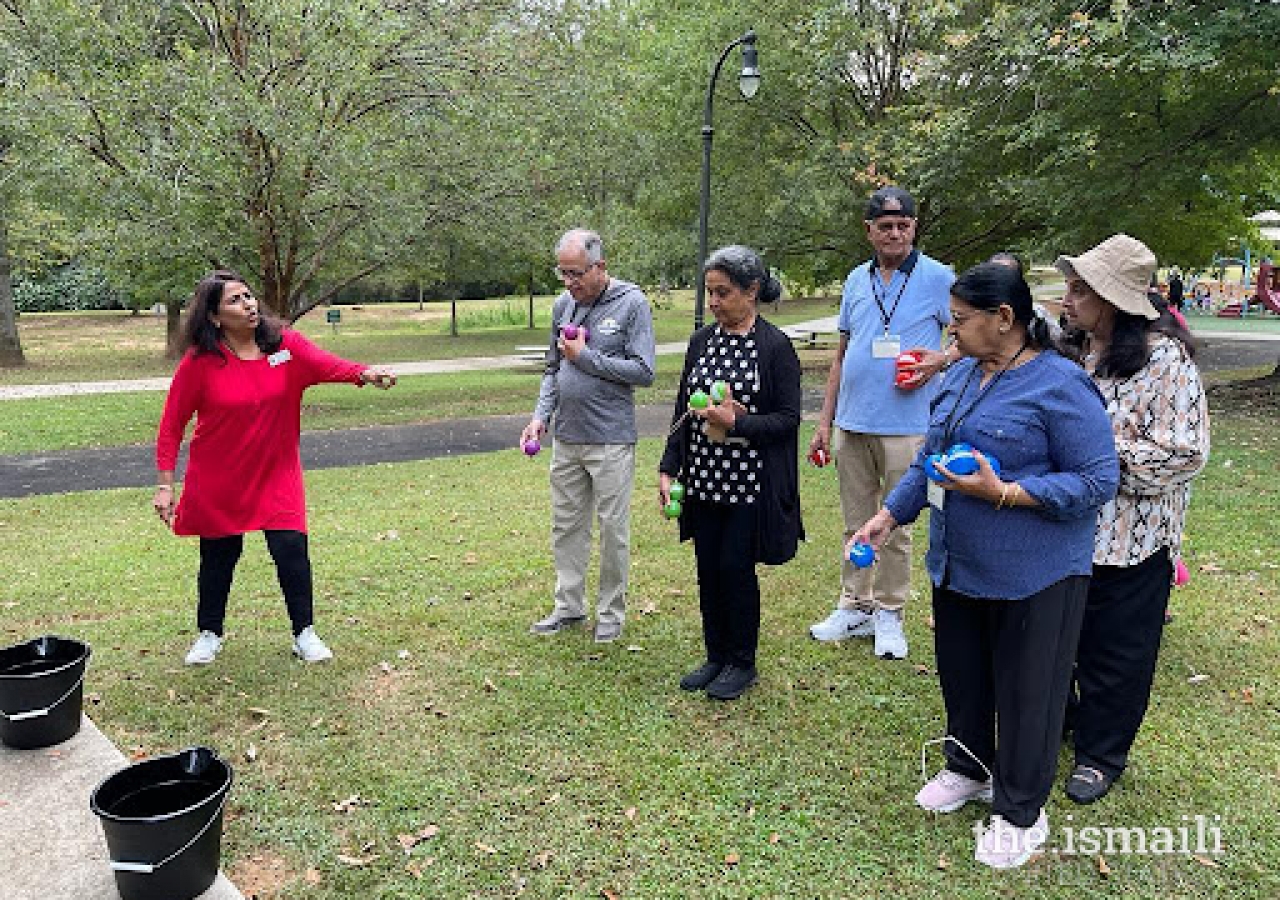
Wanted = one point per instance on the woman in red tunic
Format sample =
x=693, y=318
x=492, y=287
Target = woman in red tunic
x=242, y=377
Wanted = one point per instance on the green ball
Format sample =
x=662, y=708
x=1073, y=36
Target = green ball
x=719, y=391
x=672, y=510
x=676, y=492
x=699, y=400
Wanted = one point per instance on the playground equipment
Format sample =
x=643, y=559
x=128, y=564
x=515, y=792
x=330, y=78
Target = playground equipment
x=1268, y=288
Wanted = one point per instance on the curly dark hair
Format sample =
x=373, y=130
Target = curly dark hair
x=199, y=331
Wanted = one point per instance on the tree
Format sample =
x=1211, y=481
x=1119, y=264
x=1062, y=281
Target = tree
x=306, y=143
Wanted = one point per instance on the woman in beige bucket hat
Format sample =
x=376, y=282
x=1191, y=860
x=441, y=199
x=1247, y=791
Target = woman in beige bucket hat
x=1160, y=422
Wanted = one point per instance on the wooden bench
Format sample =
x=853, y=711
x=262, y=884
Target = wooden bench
x=531, y=354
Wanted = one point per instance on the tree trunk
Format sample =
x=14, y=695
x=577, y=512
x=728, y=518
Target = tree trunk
x=10, y=346
x=172, y=328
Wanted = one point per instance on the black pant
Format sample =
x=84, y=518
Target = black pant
x=1005, y=671
x=1116, y=662
x=728, y=589
x=218, y=558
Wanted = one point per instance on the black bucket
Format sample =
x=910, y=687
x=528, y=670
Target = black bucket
x=41, y=691
x=163, y=822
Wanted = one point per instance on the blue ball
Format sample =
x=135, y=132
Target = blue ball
x=961, y=461
x=862, y=555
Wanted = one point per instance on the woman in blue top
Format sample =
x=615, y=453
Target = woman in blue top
x=1009, y=554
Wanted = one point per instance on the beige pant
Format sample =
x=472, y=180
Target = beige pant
x=586, y=480
x=869, y=465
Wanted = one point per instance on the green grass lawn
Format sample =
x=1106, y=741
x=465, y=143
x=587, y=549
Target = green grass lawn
x=100, y=346
x=554, y=768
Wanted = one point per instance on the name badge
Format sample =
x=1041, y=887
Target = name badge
x=280, y=357
x=887, y=347
x=937, y=496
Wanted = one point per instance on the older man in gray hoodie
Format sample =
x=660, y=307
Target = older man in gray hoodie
x=601, y=348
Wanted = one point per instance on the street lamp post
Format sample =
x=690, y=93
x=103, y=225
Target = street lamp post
x=748, y=84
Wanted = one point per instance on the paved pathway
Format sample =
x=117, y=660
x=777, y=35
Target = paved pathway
x=51, y=843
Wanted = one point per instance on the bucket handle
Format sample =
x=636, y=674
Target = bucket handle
x=149, y=868
x=37, y=713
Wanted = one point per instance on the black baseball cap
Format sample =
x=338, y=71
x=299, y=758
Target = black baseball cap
x=898, y=201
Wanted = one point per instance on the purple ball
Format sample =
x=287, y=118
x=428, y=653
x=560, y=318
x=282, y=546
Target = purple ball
x=531, y=448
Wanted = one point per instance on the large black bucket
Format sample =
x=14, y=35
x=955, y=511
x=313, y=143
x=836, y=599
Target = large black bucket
x=41, y=691
x=163, y=822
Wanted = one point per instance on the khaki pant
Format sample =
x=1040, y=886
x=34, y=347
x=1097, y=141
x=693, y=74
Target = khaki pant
x=586, y=480
x=869, y=465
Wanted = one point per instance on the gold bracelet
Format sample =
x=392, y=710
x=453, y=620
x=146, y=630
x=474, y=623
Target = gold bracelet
x=1004, y=496
x=1017, y=492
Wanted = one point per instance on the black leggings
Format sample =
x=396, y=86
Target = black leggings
x=218, y=558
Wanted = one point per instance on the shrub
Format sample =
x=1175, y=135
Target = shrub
x=67, y=289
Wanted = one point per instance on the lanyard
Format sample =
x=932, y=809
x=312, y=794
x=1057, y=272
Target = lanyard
x=952, y=424
x=880, y=293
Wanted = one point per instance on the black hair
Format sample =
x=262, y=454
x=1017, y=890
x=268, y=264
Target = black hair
x=990, y=285
x=1129, y=348
x=745, y=268
x=199, y=331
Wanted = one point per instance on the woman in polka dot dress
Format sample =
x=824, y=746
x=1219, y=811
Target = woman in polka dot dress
x=736, y=462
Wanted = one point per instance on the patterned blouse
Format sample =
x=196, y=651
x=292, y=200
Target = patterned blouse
x=728, y=471
x=1161, y=425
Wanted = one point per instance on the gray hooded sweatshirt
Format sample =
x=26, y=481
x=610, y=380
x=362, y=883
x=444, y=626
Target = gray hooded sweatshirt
x=592, y=398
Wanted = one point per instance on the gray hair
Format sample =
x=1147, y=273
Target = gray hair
x=744, y=268
x=588, y=240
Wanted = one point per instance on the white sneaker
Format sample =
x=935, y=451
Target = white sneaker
x=948, y=791
x=204, y=650
x=308, y=647
x=841, y=625
x=1005, y=846
x=891, y=643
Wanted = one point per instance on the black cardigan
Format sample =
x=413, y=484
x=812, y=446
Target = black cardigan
x=773, y=432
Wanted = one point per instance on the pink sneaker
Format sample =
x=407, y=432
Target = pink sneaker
x=1005, y=846
x=948, y=791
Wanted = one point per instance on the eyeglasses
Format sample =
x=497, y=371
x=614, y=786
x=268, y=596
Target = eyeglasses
x=573, y=274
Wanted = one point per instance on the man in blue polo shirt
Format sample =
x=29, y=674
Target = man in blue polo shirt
x=897, y=301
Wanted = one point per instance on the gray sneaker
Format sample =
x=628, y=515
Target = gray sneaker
x=556, y=623
x=608, y=632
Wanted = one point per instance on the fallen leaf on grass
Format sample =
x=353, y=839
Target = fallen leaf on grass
x=634, y=648
x=172, y=694
x=312, y=876
x=943, y=862
x=1210, y=568
x=251, y=752
x=409, y=841
x=259, y=711
x=675, y=592
x=490, y=686
x=1246, y=695
x=470, y=559
x=630, y=813
x=403, y=654
x=356, y=861
x=386, y=668
x=922, y=669
x=732, y=859
x=352, y=802
x=542, y=860
x=610, y=895
x=485, y=848
x=1198, y=678
x=1103, y=869
x=1206, y=861
x=774, y=838
x=929, y=623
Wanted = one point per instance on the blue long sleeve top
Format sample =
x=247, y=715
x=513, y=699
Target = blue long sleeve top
x=1046, y=423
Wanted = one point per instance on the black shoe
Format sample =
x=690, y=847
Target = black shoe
x=731, y=683
x=702, y=676
x=556, y=623
x=1087, y=784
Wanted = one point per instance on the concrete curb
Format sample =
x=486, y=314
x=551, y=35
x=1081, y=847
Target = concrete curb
x=51, y=843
